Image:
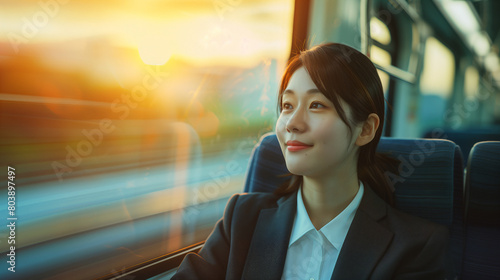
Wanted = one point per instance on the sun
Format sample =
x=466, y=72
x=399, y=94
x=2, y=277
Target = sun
x=154, y=49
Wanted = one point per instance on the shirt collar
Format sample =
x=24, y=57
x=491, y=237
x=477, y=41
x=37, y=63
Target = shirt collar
x=335, y=231
x=302, y=224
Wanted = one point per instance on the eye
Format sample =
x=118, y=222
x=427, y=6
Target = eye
x=287, y=106
x=317, y=105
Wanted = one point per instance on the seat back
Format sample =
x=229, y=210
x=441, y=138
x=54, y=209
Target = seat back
x=429, y=184
x=430, y=173
x=266, y=167
x=466, y=138
x=482, y=220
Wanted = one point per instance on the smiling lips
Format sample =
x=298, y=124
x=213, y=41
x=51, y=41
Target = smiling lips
x=294, y=146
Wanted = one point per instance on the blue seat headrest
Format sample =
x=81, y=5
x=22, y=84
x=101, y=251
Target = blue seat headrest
x=430, y=171
x=483, y=184
x=482, y=224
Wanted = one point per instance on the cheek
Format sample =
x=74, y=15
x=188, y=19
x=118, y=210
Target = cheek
x=332, y=132
x=280, y=123
x=281, y=129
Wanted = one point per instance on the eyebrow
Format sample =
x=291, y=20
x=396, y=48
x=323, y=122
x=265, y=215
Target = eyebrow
x=310, y=91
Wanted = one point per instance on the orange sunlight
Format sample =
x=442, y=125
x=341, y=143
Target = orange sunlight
x=230, y=33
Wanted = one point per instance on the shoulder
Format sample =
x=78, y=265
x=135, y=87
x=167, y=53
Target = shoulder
x=242, y=214
x=408, y=234
x=412, y=227
x=419, y=247
x=417, y=243
x=243, y=210
x=253, y=201
x=405, y=227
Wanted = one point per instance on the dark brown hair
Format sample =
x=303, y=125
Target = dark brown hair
x=343, y=73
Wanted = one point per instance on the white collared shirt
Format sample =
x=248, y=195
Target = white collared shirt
x=312, y=254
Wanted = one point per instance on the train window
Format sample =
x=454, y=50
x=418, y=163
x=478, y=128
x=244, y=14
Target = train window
x=471, y=82
x=436, y=83
x=379, y=31
x=381, y=35
x=384, y=78
x=380, y=49
x=129, y=131
x=382, y=57
x=439, y=69
x=390, y=24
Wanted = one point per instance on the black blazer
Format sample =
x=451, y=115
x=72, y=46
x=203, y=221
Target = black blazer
x=251, y=242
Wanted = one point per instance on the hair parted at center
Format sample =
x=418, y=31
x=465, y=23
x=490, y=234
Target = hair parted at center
x=342, y=73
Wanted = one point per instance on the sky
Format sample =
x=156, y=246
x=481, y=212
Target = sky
x=228, y=32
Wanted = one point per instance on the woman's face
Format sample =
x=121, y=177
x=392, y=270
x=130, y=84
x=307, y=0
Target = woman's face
x=313, y=138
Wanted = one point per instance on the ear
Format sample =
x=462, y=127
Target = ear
x=368, y=130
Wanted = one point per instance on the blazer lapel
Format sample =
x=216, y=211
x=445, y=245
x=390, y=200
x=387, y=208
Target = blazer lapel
x=366, y=240
x=267, y=253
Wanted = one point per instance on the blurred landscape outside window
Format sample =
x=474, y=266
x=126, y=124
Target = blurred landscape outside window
x=130, y=123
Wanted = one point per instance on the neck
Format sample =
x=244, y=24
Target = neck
x=325, y=198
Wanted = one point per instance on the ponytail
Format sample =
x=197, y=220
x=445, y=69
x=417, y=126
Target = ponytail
x=289, y=186
x=373, y=173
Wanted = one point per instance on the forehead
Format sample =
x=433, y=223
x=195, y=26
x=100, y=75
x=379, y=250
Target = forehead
x=300, y=81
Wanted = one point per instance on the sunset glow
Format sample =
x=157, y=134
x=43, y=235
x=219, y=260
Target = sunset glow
x=201, y=32
x=121, y=112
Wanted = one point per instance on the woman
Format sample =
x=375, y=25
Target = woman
x=333, y=220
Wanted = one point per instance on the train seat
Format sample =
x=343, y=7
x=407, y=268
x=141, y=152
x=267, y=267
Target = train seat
x=266, y=166
x=430, y=183
x=466, y=138
x=482, y=218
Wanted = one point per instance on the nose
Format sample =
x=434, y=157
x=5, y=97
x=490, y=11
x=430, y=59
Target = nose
x=296, y=123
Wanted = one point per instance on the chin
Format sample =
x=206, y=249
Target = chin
x=296, y=170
